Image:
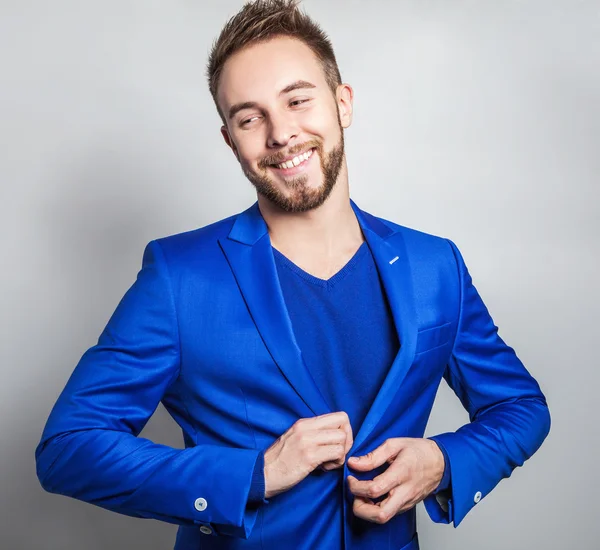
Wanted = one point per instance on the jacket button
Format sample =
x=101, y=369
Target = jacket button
x=200, y=504
x=206, y=530
x=477, y=497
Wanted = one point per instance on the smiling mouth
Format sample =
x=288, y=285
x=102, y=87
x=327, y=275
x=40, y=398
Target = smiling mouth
x=296, y=161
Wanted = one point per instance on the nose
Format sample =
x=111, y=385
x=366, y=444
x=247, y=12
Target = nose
x=282, y=129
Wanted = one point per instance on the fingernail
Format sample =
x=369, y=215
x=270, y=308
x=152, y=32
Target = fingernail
x=355, y=458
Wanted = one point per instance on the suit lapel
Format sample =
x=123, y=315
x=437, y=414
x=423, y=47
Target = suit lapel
x=391, y=259
x=250, y=256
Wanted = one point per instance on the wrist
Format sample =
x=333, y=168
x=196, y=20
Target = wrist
x=445, y=482
x=439, y=461
x=268, y=491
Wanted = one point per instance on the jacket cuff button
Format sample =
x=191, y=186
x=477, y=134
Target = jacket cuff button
x=200, y=504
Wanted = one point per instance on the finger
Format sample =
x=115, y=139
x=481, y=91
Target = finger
x=336, y=419
x=379, y=485
x=389, y=449
x=325, y=437
x=402, y=498
x=349, y=437
x=331, y=465
x=380, y=512
x=361, y=507
x=330, y=455
x=335, y=464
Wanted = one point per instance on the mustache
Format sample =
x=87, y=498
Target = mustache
x=292, y=151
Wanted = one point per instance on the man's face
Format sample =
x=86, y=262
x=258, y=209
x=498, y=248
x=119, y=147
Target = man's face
x=279, y=108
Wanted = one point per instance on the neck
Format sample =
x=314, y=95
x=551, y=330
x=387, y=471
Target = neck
x=323, y=231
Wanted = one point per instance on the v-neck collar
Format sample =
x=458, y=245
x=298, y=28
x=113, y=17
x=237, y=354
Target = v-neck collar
x=325, y=283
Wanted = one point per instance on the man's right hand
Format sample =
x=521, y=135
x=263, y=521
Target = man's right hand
x=310, y=442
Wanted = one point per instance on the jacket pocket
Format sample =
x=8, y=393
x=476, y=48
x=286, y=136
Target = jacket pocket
x=433, y=337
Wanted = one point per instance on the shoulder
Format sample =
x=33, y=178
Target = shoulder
x=188, y=246
x=418, y=243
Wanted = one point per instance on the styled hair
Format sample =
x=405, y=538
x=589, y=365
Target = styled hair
x=260, y=21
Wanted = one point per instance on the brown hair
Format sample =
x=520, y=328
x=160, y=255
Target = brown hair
x=260, y=21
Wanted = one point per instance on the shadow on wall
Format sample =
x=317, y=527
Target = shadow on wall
x=93, y=224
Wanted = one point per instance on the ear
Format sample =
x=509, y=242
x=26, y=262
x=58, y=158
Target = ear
x=344, y=98
x=229, y=141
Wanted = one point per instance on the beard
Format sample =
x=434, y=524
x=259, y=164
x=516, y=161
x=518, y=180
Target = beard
x=301, y=197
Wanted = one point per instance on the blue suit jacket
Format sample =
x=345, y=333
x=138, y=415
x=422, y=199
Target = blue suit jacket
x=204, y=329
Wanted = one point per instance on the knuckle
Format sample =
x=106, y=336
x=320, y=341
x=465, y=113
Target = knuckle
x=299, y=424
x=382, y=517
x=342, y=418
x=373, y=491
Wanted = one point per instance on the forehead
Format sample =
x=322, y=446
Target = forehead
x=259, y=72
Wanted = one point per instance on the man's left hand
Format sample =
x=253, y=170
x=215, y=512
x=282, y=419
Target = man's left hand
x=416, y=469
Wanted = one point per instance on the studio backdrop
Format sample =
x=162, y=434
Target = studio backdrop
x=478, y=121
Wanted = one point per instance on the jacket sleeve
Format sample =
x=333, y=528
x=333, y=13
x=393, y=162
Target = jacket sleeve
x=509, y=417
x=90, y=449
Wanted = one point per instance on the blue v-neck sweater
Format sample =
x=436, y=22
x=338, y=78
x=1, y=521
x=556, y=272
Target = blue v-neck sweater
x=346, y=333
x=344, y=328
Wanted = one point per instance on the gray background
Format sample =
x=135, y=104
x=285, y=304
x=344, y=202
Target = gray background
x=474, y=120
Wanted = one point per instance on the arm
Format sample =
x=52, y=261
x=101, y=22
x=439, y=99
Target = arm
x=509, y=417
x=89, y=449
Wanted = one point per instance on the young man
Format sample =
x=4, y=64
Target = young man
x=299, y=344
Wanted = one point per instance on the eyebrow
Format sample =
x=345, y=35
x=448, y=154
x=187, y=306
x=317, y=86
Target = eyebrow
x=298, y=85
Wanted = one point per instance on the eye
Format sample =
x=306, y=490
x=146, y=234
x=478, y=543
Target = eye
x=248, y=120
x=298, y=101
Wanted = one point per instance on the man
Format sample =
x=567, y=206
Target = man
x=298, y=344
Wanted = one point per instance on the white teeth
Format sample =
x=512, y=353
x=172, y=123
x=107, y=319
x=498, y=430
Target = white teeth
x=296, y=160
